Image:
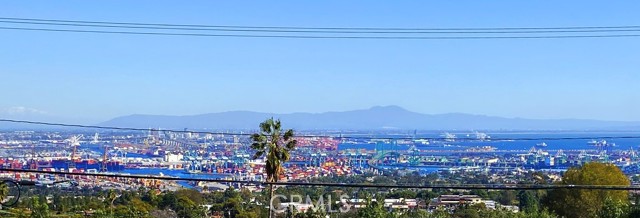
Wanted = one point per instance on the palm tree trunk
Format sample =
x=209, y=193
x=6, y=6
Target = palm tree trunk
x=270, y=200
x=111, y=208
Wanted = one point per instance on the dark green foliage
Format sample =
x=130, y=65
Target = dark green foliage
x=405, y=193
x=374, y=209
x=39, y=208
x=507, y=197
x=614, y=209
x=245, y=204
x=186, y=208
x=529, y=201
x=468, y=211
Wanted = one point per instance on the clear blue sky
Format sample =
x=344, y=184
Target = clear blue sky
x=96, y=76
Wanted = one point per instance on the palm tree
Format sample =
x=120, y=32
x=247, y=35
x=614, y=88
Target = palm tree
x=275, y=145
x=110, y=195
x=4, y=190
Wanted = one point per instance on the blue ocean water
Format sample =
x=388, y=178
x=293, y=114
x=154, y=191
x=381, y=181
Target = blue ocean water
x=516, y=141
x=100, y=149
x=173, y=173
x=502, y=141
x=421, y=169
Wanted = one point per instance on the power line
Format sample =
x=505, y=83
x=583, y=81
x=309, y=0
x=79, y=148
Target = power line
x=353, y=185
x=326, y=37
x=320, y=28
x=130, y=176
x=118, y=128
x=316, y=136
x=128, y=26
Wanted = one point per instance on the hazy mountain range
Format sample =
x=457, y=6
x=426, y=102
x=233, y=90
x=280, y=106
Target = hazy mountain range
x=375, y=118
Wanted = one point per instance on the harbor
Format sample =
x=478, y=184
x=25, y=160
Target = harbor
x=229, y=157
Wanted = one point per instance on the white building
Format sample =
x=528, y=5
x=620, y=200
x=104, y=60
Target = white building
x=173, y=157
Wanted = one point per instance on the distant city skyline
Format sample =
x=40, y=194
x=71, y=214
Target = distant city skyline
x=32, y=114
x=78, y=77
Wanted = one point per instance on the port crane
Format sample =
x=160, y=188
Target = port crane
x=103, y=168
x=414, y=155
x=633, y=154
x=74, y=142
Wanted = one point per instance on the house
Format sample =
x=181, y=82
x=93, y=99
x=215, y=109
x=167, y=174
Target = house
x=454, y=200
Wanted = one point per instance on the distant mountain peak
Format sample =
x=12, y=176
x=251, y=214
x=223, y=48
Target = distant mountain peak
x=388, y=108
x=374, y=118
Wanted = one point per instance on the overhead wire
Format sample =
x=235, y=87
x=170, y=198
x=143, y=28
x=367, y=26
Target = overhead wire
x=467, y=186
x=319, y=136
x=331, y=30
x=321, y=32
x=354, y=185
x=128, y=26
x=323, y=37
x=318, y=28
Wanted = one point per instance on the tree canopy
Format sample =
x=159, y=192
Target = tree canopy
x=588, y=203
x=275, y=144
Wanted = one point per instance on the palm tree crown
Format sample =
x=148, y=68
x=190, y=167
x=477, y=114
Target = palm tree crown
x=275, y=145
